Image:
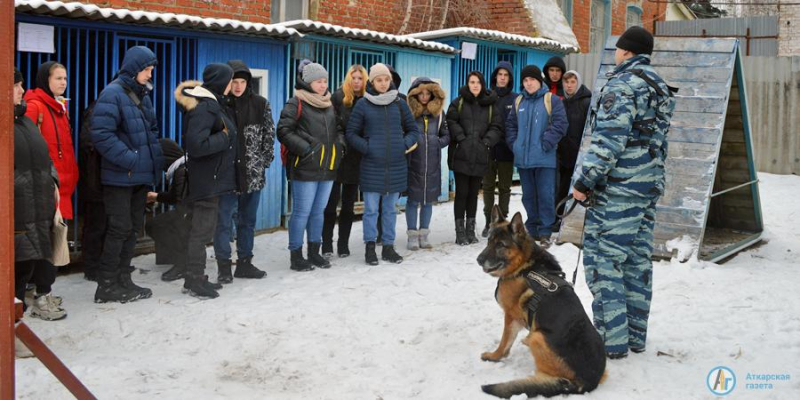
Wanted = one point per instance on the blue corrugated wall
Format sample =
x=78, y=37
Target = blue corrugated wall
x=270, y=56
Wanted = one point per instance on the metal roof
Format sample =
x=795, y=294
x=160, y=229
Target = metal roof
x=308, y=26
x=184, y=21
x=498, y=36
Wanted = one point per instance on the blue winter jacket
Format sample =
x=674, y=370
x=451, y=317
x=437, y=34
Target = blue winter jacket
x=125, y=135
x=382, y=134
x=532, y=134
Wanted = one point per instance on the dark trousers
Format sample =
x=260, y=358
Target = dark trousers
x=348, y=193
x=204, y=222
x=41, y=272
x=93, y=235
x=125, y=210
x=500, y=175
x=564, y=178
x=467, y=188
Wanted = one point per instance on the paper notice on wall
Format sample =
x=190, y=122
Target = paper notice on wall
x=36, y=38
x=469, y=50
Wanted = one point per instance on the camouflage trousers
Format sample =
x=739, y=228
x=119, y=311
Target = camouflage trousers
x=618, y=244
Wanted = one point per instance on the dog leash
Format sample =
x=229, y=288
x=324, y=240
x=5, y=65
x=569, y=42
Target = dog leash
x=567, y=211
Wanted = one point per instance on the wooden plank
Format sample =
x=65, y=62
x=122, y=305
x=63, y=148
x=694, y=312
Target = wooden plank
x=734, y=122
x=713, y=105
x=685, y=74
x=679, y=216
x=734, y=176
x=678, y=134
x=700, y=45
x=690, y=167
x=733, y=149
x=682, y=59
x=693, y=199
x=693, y=151
x=696, y=119
x=733, y=163
x=733, y=136
x=686, y=89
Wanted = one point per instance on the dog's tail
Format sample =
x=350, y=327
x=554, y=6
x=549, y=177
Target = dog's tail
x=537, y=385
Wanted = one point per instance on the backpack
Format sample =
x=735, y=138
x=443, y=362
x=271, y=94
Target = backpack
x=90, y=160
x=548, y=104
x=284, y=149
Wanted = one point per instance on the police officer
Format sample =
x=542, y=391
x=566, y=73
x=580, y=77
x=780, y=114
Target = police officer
x=624, y=171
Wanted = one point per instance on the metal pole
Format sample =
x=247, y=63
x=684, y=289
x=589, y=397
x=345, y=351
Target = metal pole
x=7, y=314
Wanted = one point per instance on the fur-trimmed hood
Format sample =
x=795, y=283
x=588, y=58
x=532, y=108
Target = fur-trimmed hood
x=435, y=106
x=187, y=93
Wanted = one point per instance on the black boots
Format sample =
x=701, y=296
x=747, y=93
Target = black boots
x=173, y=274
x=470, y=228
x=200, y=287
x=245, y=269
x=298, y=262
x=370, y=256
x=327, y=249
x=388, y=254
x=487, y=227
x=224, y=274
x=342, y=249
x=126, y=282
x=315, y=258
x=461, y=234
x=109, y=290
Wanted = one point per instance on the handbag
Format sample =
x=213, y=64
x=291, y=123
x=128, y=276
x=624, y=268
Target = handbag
x=58, y=237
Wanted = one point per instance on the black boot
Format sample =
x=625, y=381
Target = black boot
x=199, y=287
x=470, y=228
x=327, y=249
x=343, y=249
x=298, y=262
x=461, y=234
x=388, y=254
x=126, y=282
x=370, y=256
x=173, y=274
x=246, y=269
x=486, y=227
x=316, y=259
x=110, y=291
x=224, y=271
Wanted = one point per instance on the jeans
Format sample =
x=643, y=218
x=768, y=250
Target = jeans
x=348, y=194
x=387, y=203
x=309, y=199
x=538, y=195
x=467, y=188
x=500, y=175
x=125, y=210
x=204, y=219
x=247, y=206
x=425, y=214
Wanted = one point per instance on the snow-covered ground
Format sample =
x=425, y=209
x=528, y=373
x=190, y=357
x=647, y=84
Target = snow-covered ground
x=416, y=330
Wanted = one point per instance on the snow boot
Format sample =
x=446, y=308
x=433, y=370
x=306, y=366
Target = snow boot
x=461, y=234
x=370, y=256
x=224, y=275
x=173, y=274
x=126, y=282
x=327, y=249
x=109, y=290
x=44, y=307
x=245, y=269
x=199, y=287
x=343, y=249
x=545, y=242
x=471, y=238
x=423, y=239
x=298, y=262
x=413, y=240
x=316, y=259
x=388, y=254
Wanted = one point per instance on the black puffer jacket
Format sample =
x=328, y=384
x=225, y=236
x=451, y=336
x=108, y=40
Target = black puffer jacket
x=505, y=103
x=474, y=129
x=577, y=108
x=210, y=136
x=316, y=130
x=35, y=180
x=556, y=88
x=350, y=169
x=256, y=139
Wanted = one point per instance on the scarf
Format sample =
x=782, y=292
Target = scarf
x=315, y=100
x=382, y=99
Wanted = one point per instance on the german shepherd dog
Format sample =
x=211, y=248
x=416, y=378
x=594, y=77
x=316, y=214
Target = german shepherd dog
x=569, y=353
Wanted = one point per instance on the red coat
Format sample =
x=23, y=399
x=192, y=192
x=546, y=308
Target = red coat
x=51, y=118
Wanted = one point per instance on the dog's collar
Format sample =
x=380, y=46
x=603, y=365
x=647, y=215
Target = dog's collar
x=524, y=272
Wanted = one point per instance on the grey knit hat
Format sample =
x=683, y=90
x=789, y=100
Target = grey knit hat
x=314, y=71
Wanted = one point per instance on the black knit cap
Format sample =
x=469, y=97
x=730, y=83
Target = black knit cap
x=17, y=76
x=637, y=40
x=531, y=71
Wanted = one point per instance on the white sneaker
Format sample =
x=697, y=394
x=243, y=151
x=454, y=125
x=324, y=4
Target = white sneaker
x=45, y=307
x=30, y=294
x=20, y=350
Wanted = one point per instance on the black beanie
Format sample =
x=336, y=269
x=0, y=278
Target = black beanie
x=171, y=150
x=531, y=71
x=637, y=40
x=216, y=77
x=17, y=76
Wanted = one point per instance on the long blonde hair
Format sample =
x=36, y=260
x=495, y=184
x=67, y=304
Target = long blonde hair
x=347, y=86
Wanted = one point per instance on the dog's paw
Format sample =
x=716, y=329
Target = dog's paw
x=490, y=356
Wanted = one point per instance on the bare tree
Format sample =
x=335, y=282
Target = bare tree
x=473, y=13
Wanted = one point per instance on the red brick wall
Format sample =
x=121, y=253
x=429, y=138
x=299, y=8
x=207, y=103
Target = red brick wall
x=378, y=15
x=581, y=18
x=510, y=16
x=653, y=12
x=245, y=10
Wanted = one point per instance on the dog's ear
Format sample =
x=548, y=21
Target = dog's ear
x=497, y=215
x=517, y=226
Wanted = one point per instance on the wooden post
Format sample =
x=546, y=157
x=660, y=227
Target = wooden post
x=6, y=201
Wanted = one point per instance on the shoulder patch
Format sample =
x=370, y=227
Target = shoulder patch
x=608, y=101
